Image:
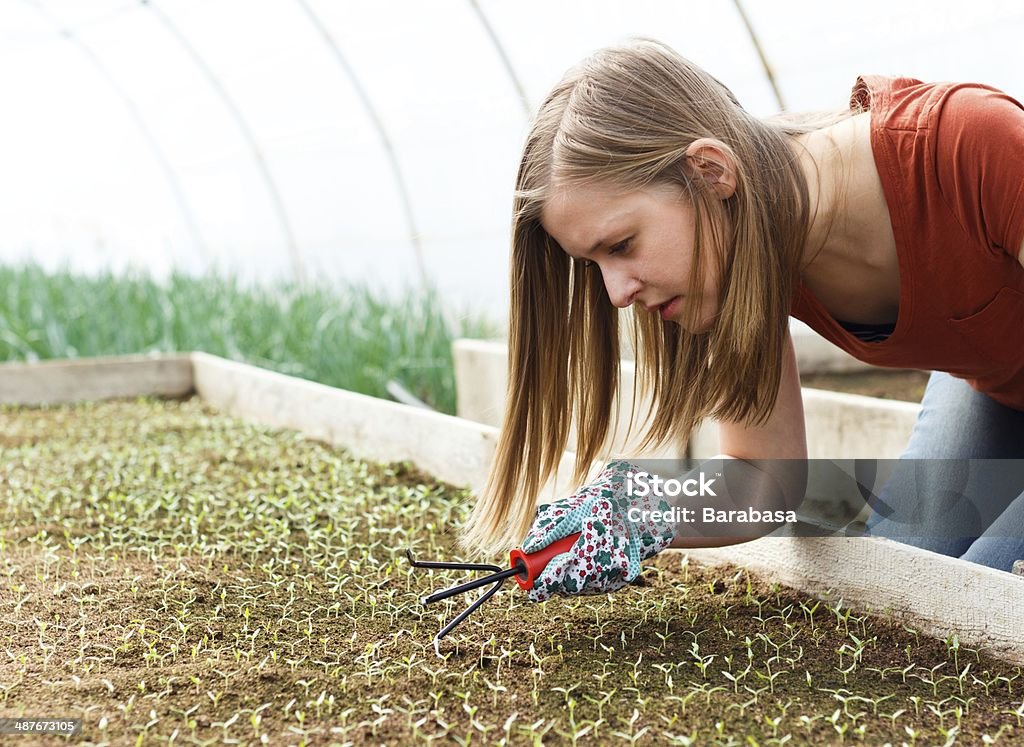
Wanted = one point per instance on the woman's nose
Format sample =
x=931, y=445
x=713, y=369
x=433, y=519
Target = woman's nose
x=622, y=289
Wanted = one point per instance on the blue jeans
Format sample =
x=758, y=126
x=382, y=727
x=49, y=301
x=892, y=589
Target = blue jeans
x=952, y=506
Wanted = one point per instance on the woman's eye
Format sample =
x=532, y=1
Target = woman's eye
x=620, y=247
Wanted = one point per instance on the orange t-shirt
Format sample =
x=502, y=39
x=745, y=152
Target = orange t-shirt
x=951, y=160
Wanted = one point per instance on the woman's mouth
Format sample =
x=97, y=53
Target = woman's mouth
x=669, y=308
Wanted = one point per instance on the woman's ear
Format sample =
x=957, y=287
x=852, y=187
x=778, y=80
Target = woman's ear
x=708, y=159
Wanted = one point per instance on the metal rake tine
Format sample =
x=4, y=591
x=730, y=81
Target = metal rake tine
x=450, y=566
x=464, y=614
x=494, y=578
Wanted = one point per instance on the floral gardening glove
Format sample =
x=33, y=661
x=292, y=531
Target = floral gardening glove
x=607, y=555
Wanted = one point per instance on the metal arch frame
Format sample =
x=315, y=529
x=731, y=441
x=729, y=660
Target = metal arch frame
x=506, y=61
x=389, y=149
x=503, y=56
x=517, y=84
x=247, y=133
x=769, y=73
x=173, y=182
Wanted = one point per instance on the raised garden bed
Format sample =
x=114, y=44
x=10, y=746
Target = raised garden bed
x=169, y=570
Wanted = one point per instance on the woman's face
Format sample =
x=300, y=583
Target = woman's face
x=642, y=242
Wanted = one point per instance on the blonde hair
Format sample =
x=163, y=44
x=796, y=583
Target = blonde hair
x=624, y=118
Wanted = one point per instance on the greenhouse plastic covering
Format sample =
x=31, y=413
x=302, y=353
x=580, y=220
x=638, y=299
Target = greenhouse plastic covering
x=375, y=140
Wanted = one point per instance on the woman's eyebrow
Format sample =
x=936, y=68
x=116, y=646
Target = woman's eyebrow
x=591, y=250
x=584, y=254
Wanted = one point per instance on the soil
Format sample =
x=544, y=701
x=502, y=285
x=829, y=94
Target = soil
x=169, y=574
x=896, y=384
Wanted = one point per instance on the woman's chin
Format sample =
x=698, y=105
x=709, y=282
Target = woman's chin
x=702, y=326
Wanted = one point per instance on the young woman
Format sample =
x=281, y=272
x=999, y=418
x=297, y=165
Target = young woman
x=895, y=228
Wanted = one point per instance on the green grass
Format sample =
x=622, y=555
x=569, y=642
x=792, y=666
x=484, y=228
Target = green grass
x=347, y=336
x=173, y=576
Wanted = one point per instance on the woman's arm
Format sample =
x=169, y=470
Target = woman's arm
x=774, y=473
x=783, y=436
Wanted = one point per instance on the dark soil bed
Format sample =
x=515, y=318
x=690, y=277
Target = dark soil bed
x=902, y=385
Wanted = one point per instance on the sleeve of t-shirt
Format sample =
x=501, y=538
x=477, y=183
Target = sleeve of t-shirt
x=979, y=160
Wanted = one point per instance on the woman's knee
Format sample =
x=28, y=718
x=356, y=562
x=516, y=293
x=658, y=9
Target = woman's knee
x=961, y=468
x=958, y=422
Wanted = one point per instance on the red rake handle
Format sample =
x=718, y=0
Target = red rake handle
x=535, y=563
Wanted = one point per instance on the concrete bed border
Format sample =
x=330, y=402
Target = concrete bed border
x=855, y=426
x=934, y=594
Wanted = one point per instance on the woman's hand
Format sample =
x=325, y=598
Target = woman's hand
x=607, y=555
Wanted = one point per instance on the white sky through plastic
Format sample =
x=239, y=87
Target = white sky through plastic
x=273, y=136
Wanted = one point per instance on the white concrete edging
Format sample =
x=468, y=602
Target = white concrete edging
x=450, y=448
x=56, y=381
x=838, y=424
x=933, y=593
x=368, y=427
x=814, y=354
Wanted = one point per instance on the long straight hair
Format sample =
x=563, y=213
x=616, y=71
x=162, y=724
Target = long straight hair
x=624, y=118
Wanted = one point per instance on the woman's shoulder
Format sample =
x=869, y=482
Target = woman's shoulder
x=871, y=91
x=965, y=147
x=978, y=153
